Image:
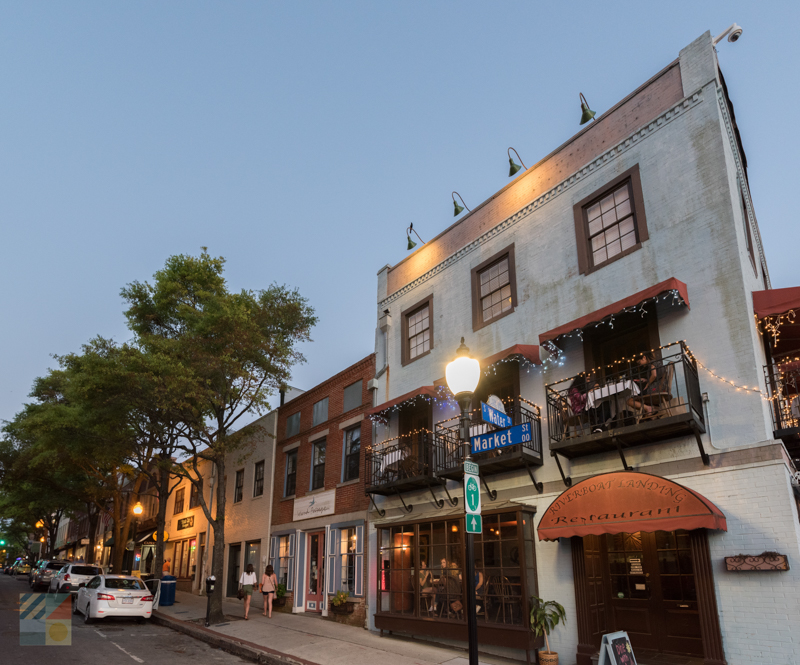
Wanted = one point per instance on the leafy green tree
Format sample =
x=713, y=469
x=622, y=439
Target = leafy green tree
x=238, y=348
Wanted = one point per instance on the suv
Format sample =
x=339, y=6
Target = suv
x=43, y=573
x=71, y=576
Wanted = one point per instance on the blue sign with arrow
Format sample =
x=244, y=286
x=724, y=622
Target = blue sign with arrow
x=502, y=438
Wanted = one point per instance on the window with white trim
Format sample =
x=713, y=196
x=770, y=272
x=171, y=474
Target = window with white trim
x=347, y=559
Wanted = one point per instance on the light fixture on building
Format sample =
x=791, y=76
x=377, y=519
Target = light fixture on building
x=458, y=208
x=409, y=231
x=512, y=166
x=138, y=509
x=733, y=33
x=454, y=528
x=586, y=113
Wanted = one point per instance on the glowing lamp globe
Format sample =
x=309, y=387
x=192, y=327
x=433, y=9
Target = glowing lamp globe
x=137, y=509
x=463, y=373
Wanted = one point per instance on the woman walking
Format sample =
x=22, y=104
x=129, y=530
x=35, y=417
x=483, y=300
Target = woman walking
x=269, y=582
x=247, y=582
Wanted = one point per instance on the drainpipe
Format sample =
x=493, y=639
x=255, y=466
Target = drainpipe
x=708, y=420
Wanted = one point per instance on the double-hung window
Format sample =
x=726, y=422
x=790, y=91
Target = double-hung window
x=352, y=452
x=318, y=465
x=417, y=330
x=494, y=288
x=291, y=473
x=194, y=495
x=179, y=501
x=347, y=558
x=238, y=490
x=258, y=482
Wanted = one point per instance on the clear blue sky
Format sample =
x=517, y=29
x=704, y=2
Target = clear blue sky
x=299, y=139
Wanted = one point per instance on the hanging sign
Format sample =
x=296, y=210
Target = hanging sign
x=502, y=438
x=616, y=649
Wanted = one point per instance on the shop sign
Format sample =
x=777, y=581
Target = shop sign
x=84, y=541
x=315, y=505
x=616, y=649
x=186, y=523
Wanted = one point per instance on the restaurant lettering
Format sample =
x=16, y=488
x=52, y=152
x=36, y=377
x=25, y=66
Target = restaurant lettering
x=631, y=514
x=676, y=494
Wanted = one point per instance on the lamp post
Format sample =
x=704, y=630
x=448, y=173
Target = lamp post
x=137, y=511
x=463, y=374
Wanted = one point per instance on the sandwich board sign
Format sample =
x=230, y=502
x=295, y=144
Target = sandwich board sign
x=616, y=649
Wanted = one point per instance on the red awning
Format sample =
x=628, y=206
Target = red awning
x=430, y=391
x=671, y=284
x=528, y=351
x=776, y=301
x=627, y=501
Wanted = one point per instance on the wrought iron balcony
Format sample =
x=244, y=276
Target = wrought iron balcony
x=401, y=464
x=449, y=451
x=783, y=384
x=617, y=409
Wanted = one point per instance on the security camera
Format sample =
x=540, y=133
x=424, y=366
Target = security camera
x=733, y=33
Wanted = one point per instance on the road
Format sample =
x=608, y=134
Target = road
x=105, y=642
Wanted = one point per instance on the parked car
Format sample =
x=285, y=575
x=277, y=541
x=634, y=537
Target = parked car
x=71, y=576
x=113, y=595
x=24, y=568
x=41, y=575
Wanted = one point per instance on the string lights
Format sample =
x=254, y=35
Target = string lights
x=772, y=323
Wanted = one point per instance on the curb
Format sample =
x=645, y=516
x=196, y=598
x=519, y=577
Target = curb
x=249, y=650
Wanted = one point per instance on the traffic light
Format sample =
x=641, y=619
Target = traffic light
x=2, y=542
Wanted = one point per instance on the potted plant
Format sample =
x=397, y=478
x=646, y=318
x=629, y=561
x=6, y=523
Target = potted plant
x=341, y=603
x=546, y=615
x=280, y=595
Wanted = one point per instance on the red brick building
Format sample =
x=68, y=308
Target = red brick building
x=319, y=502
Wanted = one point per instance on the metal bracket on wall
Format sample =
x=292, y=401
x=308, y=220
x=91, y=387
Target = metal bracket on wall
x=380, y=512
x=492, y=493
x=703, y=453
x=439, y=502
x=409, y=508
x=621, y=454
x=567, y=480
x=539, y=486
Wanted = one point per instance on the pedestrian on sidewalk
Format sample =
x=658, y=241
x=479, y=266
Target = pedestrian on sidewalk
x=165, y=567
x=269, y=582
x=247, y=582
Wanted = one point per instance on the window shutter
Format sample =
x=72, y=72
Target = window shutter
x=290, y=565
x=359, y=561
x=332, y=542
x=359, y=540
x=273, y=546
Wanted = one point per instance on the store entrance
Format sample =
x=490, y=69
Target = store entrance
x=316, y=571
x=652, y=592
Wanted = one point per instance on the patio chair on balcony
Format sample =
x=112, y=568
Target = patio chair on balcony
x=571, y=422
x=660, y=401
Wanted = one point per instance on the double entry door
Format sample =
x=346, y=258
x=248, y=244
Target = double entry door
x=315, y=570
x=650, y=587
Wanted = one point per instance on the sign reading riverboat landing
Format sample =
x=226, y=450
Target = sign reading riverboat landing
x=501, y=438
x=494, y=417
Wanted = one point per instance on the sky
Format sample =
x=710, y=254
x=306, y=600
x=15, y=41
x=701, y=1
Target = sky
x=298, y=140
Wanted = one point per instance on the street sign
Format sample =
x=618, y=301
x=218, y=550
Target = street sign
x=471, y=468
x=502, y=438
x=474, y=524
x=472, y=494
x=494, y=417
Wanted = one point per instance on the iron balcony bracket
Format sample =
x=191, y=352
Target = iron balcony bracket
x=439, y=502
x=408, y=509
x=567, y=480
x=703, y=453
x=492, y=493
x=621, y=454
x=539, y=486
x=380, y=512
x=453, y=500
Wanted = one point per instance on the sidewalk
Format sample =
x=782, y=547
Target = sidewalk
x=309, y=640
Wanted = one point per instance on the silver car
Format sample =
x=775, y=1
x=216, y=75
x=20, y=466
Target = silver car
x=40, y=576
x=71, y=576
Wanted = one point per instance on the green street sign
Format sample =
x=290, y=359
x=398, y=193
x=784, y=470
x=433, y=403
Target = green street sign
x=471, y=468
x=472, y=495
x=474, y=524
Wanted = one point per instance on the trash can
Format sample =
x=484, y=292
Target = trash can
x=168, y=583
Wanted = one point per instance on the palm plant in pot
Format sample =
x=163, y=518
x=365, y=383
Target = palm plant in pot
x=546, y=615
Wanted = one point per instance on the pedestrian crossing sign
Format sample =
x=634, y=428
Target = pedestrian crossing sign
x=474, y=524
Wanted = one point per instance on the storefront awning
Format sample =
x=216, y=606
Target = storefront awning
x=776, y=301
x=627, y=501
x=426, y=391
x=674, y=285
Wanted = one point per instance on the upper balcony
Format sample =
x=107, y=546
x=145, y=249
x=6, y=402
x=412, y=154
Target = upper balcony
x=401, y=464
x=635, y=403
x=783, y=383
x=449, y=451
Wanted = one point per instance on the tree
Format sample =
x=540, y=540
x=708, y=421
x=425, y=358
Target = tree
x=239, y=349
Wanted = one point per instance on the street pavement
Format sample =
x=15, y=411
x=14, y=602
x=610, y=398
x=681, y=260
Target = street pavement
x=106, y=642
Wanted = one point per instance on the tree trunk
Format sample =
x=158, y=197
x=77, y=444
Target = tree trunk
x=161, y=520
x=94, y=516
x=216, y=614
x=119, y=547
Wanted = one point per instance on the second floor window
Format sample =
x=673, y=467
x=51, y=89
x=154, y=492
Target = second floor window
x=194, y=496
x=493, y=288
x=179, y=500
x=318, y=466
x=238, y=489
x=320, y=414
x=258, y=483
x=352, y=452
x=293, y=424
x=291, y=473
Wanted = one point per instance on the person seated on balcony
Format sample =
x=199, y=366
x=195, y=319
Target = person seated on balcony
x=649, y=376
x=598, y=415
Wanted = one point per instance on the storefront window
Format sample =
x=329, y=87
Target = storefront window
x=397, y=570
x=347, y=549
x=284, y=560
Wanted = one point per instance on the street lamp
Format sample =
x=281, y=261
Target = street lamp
x=137, y=511
x=463, y=374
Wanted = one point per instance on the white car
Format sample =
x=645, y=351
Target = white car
x=113, y=595
x=71, y=576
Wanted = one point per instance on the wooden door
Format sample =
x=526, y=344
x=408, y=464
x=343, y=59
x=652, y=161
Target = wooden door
x=315, y=571
x=652, y=591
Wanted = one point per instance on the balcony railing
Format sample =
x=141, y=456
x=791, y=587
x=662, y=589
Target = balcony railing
x=449, y=451
x=783, y=384
x=618, y=409
x=401, y=464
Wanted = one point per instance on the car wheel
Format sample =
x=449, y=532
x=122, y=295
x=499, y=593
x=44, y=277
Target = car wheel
x=87, y=619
